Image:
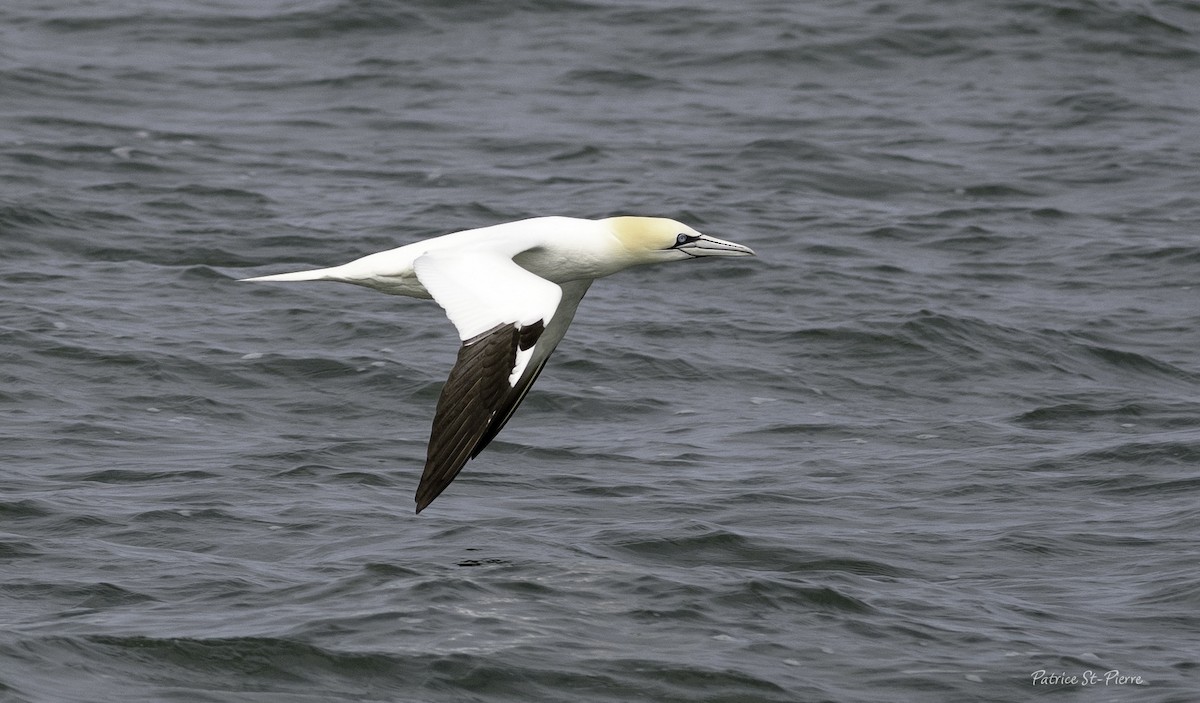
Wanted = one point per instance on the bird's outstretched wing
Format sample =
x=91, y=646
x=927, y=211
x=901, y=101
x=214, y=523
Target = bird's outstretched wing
x=573, y=292
x=510, y=320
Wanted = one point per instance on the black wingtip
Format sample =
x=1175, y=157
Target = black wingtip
x=477, y=386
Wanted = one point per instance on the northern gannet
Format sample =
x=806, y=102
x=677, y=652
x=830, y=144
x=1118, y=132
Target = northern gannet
x=511, y=290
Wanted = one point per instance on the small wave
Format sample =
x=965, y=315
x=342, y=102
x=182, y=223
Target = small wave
x=624, y=79
x=1095, y=414
x=785, y=594
x=17, y=549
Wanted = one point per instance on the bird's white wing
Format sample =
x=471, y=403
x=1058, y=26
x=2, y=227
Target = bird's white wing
x=479, y=290
x=501, y=312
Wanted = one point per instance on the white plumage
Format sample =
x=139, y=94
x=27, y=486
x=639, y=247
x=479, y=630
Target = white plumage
x=511, y=291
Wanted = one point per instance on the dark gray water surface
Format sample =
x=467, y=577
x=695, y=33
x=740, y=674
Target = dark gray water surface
x=942, y=434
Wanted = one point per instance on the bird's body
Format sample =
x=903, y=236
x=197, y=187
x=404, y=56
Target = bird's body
x=558, y=249
x=511, y=290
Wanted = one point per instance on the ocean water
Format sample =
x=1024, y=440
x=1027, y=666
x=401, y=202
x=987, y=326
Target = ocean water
x=943, y=434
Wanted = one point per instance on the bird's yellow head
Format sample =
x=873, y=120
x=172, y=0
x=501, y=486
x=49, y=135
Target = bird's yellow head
x=650, y=240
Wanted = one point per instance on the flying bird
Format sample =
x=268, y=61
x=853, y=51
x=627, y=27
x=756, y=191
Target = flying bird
x=511, y=290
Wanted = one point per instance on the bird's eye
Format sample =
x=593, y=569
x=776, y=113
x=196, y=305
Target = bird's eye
x=682, y=239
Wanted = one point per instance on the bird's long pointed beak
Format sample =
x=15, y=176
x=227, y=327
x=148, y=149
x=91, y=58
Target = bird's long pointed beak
x=711, y=246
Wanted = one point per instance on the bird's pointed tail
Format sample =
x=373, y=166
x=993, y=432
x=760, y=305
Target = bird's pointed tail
x=327, y=274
